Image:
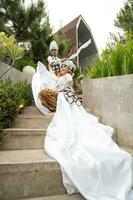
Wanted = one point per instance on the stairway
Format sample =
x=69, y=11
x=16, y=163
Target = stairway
x=26, y=171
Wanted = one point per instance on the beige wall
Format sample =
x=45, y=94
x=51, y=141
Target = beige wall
x=14, y=74
x=112, y=98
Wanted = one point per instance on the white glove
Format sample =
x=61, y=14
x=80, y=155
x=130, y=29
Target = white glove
x=57, y=62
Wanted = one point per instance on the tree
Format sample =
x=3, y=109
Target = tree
x=64, y=44
x=40, y=41
x=29, y=24
x=125, y=17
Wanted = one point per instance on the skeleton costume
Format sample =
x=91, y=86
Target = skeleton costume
x=57, y=61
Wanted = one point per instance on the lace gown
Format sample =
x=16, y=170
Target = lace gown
x=91, y=162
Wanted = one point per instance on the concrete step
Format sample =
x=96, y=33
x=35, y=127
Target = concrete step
x=20, y=139
x=32, y=121
x=32, y=110
x=28, y=173
x=58, y=197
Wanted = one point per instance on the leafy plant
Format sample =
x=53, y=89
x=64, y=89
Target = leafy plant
x=8, y=103
x=9, y=47
x=28, y=24
x=24, y=92
x=20, y=64
x=2, y=46
x=115, y=60
x=78, y=76
x=13, y=96
x=63, y=43
x=124, y=18
x=14, y=51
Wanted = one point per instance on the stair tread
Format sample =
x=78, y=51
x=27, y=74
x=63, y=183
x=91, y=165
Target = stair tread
x=58, y=197
x=28, y=156
x=23, y=129
x=32, y=116
x=24, y=156
x=11, y=132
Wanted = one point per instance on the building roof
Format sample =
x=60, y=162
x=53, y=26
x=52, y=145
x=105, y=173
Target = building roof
x=69, y=30
x=77, y=31
x=70, y=25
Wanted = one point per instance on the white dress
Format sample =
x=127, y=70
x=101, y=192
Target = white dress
x=90, y=161
x=44, y=79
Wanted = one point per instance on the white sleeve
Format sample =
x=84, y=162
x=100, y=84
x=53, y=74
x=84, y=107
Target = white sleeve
x=69, y=78
x=50, y=59
x=67, y=82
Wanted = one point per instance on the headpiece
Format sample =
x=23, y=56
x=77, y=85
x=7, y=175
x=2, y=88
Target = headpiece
x=69, y=64
x=53, y=45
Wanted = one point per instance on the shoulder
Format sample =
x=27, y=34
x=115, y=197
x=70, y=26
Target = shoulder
x=50, y=58
x=69, y=77
x=58, y=58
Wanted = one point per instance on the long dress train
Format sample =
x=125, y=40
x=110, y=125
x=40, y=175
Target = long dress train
x=91, y=162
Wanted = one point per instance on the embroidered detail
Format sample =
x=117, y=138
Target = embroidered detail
x=71, y=97
x=56, y=68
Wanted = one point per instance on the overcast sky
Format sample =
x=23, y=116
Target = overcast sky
x=99, y=15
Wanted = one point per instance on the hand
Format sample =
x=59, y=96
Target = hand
x=56, y=90
x=63, y=59
x=57, y=62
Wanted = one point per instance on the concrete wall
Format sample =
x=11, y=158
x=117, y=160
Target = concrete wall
x=112, y=98
x=14, y=74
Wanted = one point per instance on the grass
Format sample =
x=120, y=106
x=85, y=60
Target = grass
x=116, y=59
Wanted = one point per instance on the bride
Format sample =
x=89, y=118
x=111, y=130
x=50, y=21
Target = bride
x=91, y=162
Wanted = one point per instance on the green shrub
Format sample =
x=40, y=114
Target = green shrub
x=8, y=103
x=78, y=76
x=10, y=48
x=20, y=64
x=115, y=60
x=13, y=96
x=24, y=92
x=64, y=44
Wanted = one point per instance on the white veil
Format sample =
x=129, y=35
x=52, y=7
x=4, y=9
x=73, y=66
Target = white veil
x=42, y=79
